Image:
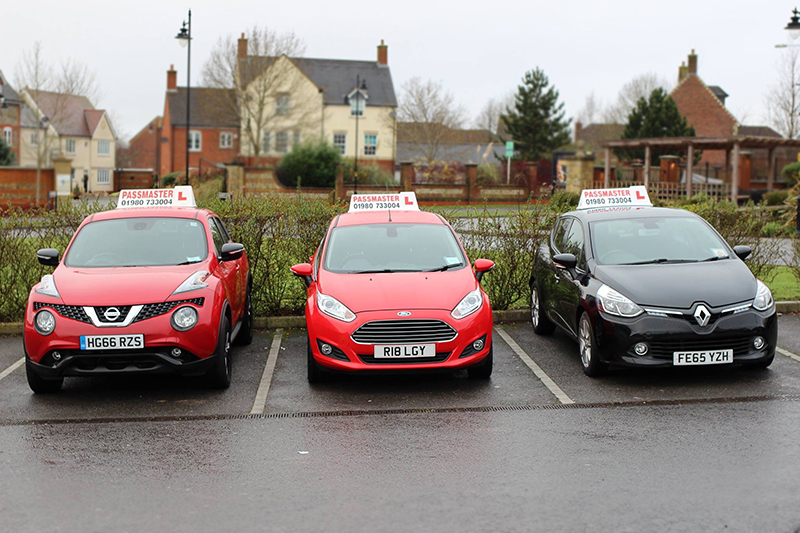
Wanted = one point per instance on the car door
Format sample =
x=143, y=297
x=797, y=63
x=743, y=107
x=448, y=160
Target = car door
x=242, y=266
x=570, y=288
x=549, y=278
x=226, y=271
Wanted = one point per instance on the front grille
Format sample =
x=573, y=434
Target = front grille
x=404, y=332
x=122, y=315
x=372, y=360
x=664, y=349
x=153, y=310
x=74, y=312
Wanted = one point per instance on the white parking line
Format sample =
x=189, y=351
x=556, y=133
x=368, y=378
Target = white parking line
x=266, y=378
x=544, y=378
x=13, y=367
x=781, y=351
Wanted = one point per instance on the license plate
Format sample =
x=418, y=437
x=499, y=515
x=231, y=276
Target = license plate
x=708, y=357
x=112, y=342
x=404, y=351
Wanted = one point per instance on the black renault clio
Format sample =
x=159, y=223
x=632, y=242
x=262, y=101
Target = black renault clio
x=651, y=287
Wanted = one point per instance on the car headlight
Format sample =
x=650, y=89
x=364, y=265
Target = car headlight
x=468, y=305
x=193, y=282
x=763, y=300
x=48, y=286
x=44, y=322
x=333, y=307
x=184, y=318
x=615, y=303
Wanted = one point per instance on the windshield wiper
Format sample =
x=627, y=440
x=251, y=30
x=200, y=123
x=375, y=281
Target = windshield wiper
x=187, y=263
x=444, y=267
x=661, y=260
x=713, y=258
x=380, y=271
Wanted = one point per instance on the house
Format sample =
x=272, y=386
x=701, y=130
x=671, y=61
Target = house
x=348, y=103
x=212, y=135
x=57, y=124
x=144, y=147
x=10, y=116
x=467, y=146
x=594, y=135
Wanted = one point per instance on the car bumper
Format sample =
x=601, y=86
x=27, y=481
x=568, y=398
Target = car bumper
x=616, y=337
x=197, y=346
x=351, y=356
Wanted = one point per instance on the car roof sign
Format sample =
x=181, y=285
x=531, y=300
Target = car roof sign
x=180, y=196
x=402, y=201
x=634, y=196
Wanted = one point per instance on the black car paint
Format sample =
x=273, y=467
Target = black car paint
x=565, y=292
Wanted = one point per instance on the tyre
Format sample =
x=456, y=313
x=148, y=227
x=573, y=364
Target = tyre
x=764, y=363
x=245, y=336
x=541, y=324
x=315, y=373
x=219, y=375
x=39, y=385
x=482, y=370
x=592, y=366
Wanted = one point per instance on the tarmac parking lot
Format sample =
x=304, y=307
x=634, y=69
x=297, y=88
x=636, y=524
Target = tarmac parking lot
x=538, y=431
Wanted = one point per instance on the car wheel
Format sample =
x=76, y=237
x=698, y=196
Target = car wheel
x=592, y=366
x=315, y=373
x=482, y=370
x=245, y=336
x=541, y=324
x=40, y=385
x=764, y=363
x=219, y=375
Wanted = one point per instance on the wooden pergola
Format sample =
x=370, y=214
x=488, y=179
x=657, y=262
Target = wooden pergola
x=731, y=145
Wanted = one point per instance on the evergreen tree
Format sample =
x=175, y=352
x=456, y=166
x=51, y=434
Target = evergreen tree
x=656, y=117
x=536, y=124
x=6, y=155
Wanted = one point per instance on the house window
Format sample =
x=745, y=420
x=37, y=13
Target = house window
x=265, y=142
x=370, y=144
x=296, y=138
x=8, y=136
x=103, y=147
x=226, y=139
x=194, y=141
x=103, y=176
x=71, y=146
x=340, y=142
x=282, y=104
x=282, y=142
x=34, y=138
x=357, y=105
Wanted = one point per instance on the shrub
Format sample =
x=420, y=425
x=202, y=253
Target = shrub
x=563, y=201
x=776, y=197
x=368, y=174
x=791, y=174
x=488, y=174
x=171, y=179
x=313, y=163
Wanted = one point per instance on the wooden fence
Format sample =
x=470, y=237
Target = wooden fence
x=664, y=190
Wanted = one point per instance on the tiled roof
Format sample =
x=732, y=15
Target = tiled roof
x=407, y=132
x=595, y=134
x=65, y=111
x=7, y=90
x=467, y=153
x=93, y=118
x=759, y=131
x=211, y=108
x=336, y=78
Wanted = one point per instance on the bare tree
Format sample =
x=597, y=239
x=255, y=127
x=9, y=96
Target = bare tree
x=639, y=87
x=783, y=98
x=489, y=116
x=42, y=81
x=256, y=82
x=592, y=109
x=431, y=114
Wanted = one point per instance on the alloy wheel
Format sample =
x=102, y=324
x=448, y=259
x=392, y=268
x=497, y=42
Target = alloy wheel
x=535, y=308
x=585, y=342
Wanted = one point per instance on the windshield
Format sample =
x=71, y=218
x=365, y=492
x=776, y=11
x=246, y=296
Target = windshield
x=129, y=242
x=373, y=248
x=655, y=240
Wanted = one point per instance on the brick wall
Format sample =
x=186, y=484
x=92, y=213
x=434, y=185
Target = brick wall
x=18, y=186
x=210, y=149
x=144, y=147
x=133, y=179
x=10, y=118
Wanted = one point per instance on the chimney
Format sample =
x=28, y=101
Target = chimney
x=172, y=79
x=692, y=68
x=578, y=130
x=682, y=71
x=383, y=54
x=241, y=52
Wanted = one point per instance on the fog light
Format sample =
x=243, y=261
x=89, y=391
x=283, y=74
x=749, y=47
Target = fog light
x=477, y=345
x=640, y=348
x=56, y=356
x=44, y=322
x=326, y=349
x=176, y=352
x=759, y=343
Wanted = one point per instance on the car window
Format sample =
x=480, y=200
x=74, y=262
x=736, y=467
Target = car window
x=574, y=243
x=225, y=235
x=216, y=234
x=559, y=232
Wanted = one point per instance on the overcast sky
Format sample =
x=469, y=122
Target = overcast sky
x=478, y=50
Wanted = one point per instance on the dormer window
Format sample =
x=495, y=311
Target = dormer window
x=357, y=99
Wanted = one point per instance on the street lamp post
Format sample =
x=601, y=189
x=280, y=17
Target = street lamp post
x=794, y=32
x=359, y=85
x=185, y=39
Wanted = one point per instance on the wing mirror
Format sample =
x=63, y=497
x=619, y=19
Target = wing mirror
x=742, y=251
x=48, y=256
x=482, y=266
x=232, y=251
x=565, y=261
x=304, y=271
